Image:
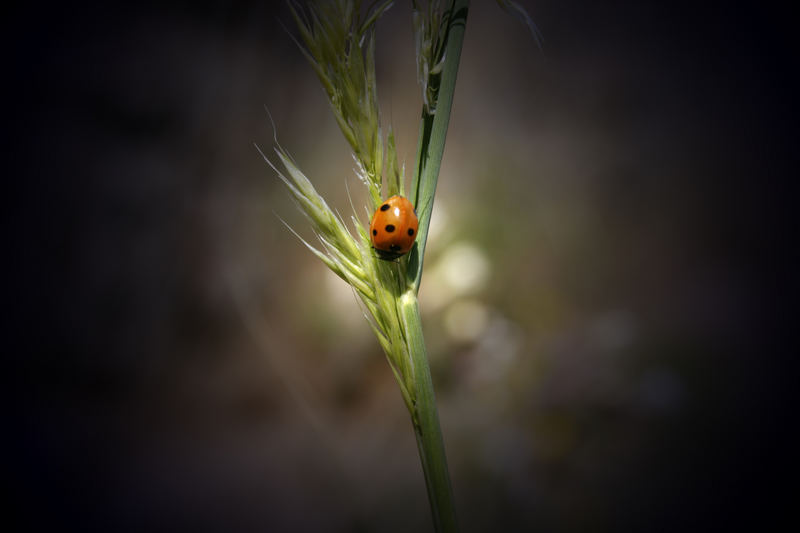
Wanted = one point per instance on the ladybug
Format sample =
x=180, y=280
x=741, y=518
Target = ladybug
x=393, y=228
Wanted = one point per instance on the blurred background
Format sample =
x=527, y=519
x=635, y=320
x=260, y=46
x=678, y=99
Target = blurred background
x=599, y=300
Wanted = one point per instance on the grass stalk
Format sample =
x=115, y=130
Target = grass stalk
x=339, y=43
x=425, y=419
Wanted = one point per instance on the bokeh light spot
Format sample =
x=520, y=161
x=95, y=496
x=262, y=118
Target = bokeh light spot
x=466, y=320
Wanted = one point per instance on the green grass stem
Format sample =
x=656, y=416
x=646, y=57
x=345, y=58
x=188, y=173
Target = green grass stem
x=425, y=418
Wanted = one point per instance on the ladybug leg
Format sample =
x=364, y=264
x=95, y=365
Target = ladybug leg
x=387, y=255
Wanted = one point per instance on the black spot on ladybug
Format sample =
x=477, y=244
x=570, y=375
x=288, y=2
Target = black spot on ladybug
x=385, y=207
x=411, y=231
x=390, y=227
x=374, y=232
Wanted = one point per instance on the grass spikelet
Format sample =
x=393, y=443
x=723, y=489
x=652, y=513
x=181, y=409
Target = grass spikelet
x=340, y=45
x=430, y=32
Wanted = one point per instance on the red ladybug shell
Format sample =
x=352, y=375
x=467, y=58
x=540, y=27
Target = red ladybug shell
x=393, y=228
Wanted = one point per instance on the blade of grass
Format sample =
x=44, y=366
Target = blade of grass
x=433, y=131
